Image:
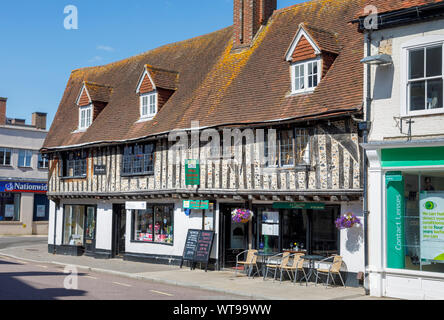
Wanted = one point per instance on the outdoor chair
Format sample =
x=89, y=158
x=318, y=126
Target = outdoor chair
x=334, y=268
x=276, y=262
x=250, y=261
x=296, y=266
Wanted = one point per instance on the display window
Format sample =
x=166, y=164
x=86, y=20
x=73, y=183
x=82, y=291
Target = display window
x=155, y=224
x=9, y=206
x=415, y=220
x=74, y=225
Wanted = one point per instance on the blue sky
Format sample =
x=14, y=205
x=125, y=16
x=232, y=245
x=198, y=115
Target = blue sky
x=37, y=54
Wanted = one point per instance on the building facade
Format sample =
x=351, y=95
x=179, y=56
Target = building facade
x=24, y=206
x=259, y=116
x=405, y=150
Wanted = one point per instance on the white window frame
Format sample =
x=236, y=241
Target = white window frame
x=4, y=151
x=305, y=64
x=85, y=123
x=418, y=43
x=152, y=105
x=27, y=155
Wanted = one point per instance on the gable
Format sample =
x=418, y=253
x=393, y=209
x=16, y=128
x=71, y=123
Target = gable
x=303, y=51
x=84, y=99
x=146, y=85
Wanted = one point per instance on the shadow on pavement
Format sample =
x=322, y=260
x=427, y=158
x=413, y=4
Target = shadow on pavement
x=12, y=288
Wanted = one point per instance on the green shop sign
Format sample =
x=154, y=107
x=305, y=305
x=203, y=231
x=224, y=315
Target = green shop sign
x=192, y=173
x=395, y=220
x=298, y=205
x=408, y=157
x=196, y=204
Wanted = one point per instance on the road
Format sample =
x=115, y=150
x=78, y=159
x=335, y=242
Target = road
x=25, y=280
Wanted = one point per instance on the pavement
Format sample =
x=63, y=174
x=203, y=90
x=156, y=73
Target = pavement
x=224, y=282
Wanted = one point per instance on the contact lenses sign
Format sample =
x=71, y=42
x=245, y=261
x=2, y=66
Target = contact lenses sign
x=432, y=225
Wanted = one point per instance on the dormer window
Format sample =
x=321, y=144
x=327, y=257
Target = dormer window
x=311, y=54
x=85, y=117
x=305, y=76
x=148, y=105
x=154, y=88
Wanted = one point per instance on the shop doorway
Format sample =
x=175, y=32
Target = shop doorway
x=90, y=230
x=234, y=236
x=119, y=230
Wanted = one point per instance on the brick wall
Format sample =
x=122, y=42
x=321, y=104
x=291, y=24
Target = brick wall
x=3, y=111
x=248, y=16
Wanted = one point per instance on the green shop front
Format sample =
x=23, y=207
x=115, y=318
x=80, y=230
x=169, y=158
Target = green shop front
x=411, y=222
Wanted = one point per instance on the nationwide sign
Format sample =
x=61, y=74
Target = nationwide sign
x=31, y=187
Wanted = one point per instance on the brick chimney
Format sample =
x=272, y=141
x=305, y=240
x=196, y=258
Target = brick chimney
x=39, y=120
x=249, y=15
x=3, y=111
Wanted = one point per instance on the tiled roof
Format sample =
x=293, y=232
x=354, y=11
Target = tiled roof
x=390, y=5
x=326, y=40
x=162, y=78
x=217, y=86
x=98, y=92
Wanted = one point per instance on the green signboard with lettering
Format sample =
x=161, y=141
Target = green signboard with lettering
x=298, y=205
x=192, y=173
x=395, y=220
x=196, y=204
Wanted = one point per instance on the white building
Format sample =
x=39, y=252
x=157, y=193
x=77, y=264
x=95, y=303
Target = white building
x=24, y=207
x=405, y=150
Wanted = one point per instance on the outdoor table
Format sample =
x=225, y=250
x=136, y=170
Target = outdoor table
x=311, y=259
x=264, y=256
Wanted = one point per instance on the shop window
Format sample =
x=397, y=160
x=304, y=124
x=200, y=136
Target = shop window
x=5, y=156
x=74, y=224
x=155, y=224
x=41, y=208
x=202, y=218
x=138, y=160
x=9, y=206
x=415, y=227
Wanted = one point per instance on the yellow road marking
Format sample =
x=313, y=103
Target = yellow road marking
x=159, y=292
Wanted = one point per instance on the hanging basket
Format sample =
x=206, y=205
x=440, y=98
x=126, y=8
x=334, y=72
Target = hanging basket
x=241, y=215
x=347, y=221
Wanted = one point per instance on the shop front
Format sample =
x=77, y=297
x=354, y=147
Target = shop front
x=24, y=208
x=411, y=224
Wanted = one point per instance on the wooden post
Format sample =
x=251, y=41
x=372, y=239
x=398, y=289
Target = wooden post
x=250, y=227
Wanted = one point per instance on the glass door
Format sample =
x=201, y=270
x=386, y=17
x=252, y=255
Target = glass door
x=90, y=229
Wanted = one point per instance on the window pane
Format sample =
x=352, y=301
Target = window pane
x=28, y=158
x=434, y=61
x=286, y=148
x=8, y=157
x=416, y=62
x=153, y=104
x=21, y=161
x=302, y=146
x=2, y=156
x=434, y=94
x=163, y=225
x=74, y=225
x=417, y=96
x=9, y=206
x=143, y=225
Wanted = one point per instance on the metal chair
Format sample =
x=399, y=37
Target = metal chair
x=250, y=261
x=276, y=262
x=334, y=268
x=296, y=266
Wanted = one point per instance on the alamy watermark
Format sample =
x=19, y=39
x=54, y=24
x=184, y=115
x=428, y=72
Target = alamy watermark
x=71, y=282
x=71, y=21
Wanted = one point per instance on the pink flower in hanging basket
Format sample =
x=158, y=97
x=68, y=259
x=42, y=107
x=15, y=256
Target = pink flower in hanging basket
x=241, y=215
x=347, y=221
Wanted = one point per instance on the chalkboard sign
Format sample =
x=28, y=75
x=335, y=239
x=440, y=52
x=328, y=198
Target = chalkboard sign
x=198, y=247
x=204, y=245
x=190, y=246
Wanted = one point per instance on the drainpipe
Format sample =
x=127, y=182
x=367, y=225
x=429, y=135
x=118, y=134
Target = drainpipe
x=365, y=167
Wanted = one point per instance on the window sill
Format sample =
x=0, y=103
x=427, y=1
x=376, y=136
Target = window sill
x=6, y=166
x=421, y=114
x=299, y=93
x=137, y=174
x=11, y=223
x=145, y=119
x=151, y=242
x=24, y=167
x=74, y=177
